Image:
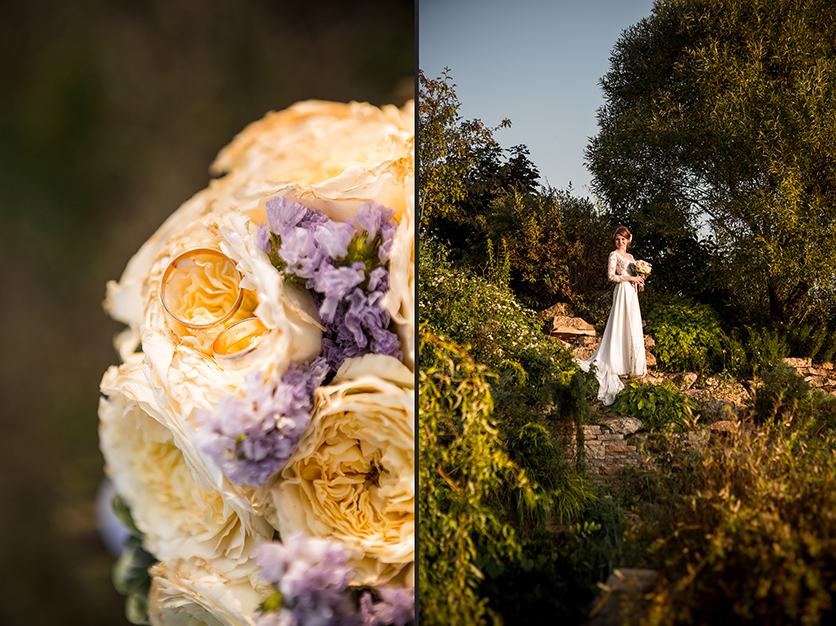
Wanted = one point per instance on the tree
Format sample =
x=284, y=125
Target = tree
x=723, y=113
x=447, y=148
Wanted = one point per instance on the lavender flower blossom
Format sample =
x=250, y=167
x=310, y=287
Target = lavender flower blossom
x=396, y=607
x=262, y=237
x=312, y=576
x=343, y=264
x=283, y=213
x=252, y=437
x=375, y=218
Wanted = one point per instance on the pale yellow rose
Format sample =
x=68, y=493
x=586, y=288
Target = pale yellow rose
x=154, y=469
x=400, y=299
x=352, y=475
x=184, y=594
x=313, y=141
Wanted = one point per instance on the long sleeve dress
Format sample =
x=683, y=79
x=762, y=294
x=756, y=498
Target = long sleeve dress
x=621, y=351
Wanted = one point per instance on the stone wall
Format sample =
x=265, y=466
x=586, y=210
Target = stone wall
x=607, y=452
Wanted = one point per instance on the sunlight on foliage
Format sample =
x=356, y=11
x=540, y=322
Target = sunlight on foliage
x=462, y=465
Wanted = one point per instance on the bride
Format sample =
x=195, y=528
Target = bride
x=621, y=351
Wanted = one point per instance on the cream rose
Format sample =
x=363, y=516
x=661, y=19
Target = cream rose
x=152, y=468
x=187, y=595
x=327, y=155
x=351, y=477
x=313, y=141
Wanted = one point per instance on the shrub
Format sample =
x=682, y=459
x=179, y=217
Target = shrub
x=556, y=576
x=567, y=492
x=752, y=538
x=660, y=407
x=462, y=466
x=812, y=340
x=557, y=245
x=751, y=350
x=786, y=397
x=688, y=334
x=471, y=311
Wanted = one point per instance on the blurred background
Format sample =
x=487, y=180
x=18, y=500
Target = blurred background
x=110, y=113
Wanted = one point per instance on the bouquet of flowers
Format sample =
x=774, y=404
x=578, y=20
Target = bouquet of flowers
x=259, y=432
x=642, y=268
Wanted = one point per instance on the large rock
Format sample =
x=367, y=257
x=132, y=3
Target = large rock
x=570, y=327
x=798, y=363
x=623, y=425
x=685, y=381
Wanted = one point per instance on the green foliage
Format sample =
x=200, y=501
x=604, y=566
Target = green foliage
x=812, y=340
x=447, y=148
x=545, y=585
x=554, y=580
x=751, y=538
x=688, y=334
x=462, y=465
x=557, y=245
x=659, y=407
x=722, y=110
x=786, y=397
x=131, y=576
x=499, y=269
x=501, y=334
x=751, y=350
x=565, y=491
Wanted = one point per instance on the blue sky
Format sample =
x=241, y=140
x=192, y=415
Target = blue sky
x=537, y=62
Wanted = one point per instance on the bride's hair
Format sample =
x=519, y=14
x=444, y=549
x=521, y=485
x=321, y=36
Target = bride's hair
x=624, y=232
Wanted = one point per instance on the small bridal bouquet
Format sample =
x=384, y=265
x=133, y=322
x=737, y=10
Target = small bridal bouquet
x=642, y=268
x=259, y=432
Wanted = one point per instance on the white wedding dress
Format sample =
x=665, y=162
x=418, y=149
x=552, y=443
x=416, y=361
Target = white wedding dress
x=621, y=351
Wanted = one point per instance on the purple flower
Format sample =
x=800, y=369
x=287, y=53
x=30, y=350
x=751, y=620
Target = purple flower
x=376, y=219
x=262, y=238
x=396, y=606
x=252, y=437
x=300, y=252
x=283, y=213
x=385, y=342
x=312, y=575
x=343, y=264
x=333, y=238
x=379, y=280
x=335, y=283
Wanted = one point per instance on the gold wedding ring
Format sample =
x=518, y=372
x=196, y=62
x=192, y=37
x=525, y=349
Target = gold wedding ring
x=238, y=340
x=200, y=290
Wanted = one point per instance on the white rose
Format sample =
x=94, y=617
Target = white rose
x=351, y=477
x=151, y=468
x=186, y=595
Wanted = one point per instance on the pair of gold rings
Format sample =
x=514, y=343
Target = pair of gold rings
x=201, y=293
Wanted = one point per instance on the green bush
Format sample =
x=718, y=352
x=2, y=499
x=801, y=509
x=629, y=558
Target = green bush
x=472, y=311
x=462, y=467
x=786, y=397
x=752, y=538
x=688, y=334
x=752, y=349
x=659, y=407
x=557, y=245
x=566, y=492
x=556, y=576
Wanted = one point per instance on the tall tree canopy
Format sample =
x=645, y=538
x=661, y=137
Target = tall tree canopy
x=448, y=148
x=723, y=112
